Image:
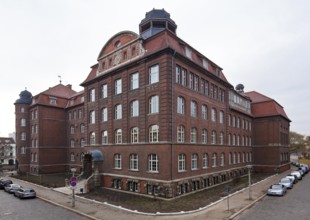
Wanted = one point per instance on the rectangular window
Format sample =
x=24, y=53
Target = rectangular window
x=206, y=88
x=92, y=95
x=104, y=114
x=104, y=91
x=134, y=81
x=191, y=81
x=178, y=74
x=154, y=74
x=118, y=111
x=154, y=105
x=118, y=86
x=196, y=83
x=184, y=77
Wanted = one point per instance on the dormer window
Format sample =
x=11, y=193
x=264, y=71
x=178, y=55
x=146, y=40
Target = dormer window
x=117, y=44
x=188, y=52
x=53, y=101
x=205, y=64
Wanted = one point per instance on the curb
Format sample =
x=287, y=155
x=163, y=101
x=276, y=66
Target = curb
x=246, y=207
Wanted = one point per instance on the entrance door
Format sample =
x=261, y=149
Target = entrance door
x=87, y=165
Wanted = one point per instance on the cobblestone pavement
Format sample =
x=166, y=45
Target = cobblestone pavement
x=238, y=202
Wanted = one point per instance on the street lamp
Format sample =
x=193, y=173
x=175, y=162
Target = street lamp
x=249, y=174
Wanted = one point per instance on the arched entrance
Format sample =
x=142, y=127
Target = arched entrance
x=93, y=160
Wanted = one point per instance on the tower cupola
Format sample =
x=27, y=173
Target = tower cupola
x=155, y=21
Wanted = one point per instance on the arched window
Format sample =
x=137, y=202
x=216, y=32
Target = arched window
x=118, y=136
x=104, y=137
x=194, y=109
x=204, y=136
x=213, y=136
x=154, y=133
x=213, y=115
x=135, y=135
x=204, y=112
x=92, y=138
x=221, y=138
x=181, y=134
x=205, y=160
x=222, y=159
x=214, y=163
x=193, y=138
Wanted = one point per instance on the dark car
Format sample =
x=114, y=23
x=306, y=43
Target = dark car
x=23, y=193
x=4, y=183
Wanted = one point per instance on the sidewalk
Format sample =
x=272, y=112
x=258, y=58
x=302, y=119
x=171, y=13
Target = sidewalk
x=91, y=209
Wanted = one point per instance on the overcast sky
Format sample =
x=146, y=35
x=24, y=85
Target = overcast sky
x=263, y=44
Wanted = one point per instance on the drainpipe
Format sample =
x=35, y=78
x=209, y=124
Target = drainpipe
x=172, y=117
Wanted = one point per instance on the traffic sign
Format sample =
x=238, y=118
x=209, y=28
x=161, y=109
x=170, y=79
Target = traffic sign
x=73, y=181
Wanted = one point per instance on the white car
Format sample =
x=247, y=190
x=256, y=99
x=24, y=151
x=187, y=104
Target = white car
x=297, y=173
x=286, y=182
x=276, y=190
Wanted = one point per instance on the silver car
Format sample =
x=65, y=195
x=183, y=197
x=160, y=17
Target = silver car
x=286, y=182
x=25, y=193
x=277, y=190
x=12, y=188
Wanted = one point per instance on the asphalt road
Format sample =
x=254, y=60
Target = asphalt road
x=294, y=205
x=12, y=208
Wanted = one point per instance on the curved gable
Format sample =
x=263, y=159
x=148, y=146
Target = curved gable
x=118, y=40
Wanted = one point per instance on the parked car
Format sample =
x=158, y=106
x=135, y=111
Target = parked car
x=293, y=178
x=301, y=171
x=277, y=190
x=4, y=183
x=286, y=182
x=305, y=166
x=12, y=188
x=25, y=193
x=296, y=173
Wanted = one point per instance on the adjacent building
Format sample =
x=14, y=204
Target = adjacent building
x=155, y=116
x=7, y=151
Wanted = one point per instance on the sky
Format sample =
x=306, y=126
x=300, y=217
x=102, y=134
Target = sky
x=263, y=44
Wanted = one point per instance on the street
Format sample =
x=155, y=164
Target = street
x=294, y=205
x=32, y=209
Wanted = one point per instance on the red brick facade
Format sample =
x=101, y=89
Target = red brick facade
x=174, y=127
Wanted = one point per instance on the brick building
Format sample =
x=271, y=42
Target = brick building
x=7, y=151
x=155, y=117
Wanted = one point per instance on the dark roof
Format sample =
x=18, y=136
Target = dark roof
x=25, y=97
x=156, y=13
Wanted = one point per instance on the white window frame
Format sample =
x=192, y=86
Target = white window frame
x=154, y=104
x=118, y=86
x=154, y=74
x=134, y=81
x=134, y=108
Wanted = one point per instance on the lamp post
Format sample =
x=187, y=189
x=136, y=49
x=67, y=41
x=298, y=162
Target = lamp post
x=249, y=174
